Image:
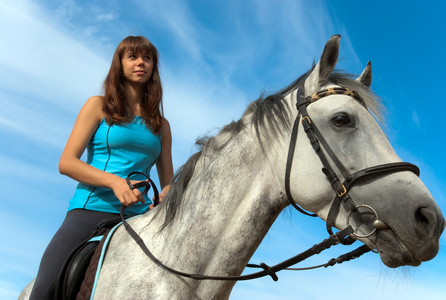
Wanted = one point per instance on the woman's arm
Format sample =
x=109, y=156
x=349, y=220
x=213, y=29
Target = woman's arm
x=71, y=165
x=164, y=164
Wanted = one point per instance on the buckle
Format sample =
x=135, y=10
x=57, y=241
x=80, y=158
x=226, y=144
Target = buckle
x=341, y=194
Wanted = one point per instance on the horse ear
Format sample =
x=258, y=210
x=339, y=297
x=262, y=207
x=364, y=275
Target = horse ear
x=366, y=76
x=329, y=58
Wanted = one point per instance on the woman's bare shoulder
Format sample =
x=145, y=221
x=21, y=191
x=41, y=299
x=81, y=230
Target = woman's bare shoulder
x=93, y=107
x=97, y=101
x=166, y=123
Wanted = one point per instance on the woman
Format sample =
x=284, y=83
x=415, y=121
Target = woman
x=124, y=131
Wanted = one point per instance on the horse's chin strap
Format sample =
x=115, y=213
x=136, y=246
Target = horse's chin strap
x=318, y=143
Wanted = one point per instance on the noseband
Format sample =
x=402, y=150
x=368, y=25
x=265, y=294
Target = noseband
x=341, y=189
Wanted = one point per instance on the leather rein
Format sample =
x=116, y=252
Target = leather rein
x=341, y=190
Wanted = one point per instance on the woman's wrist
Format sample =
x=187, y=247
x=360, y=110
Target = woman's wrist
x=112, y=181
x=166, y=189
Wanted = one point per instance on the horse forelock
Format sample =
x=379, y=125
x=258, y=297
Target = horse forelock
x=270, y=116
x=370, y=99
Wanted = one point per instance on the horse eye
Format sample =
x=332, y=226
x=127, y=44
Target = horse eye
x=342, y=120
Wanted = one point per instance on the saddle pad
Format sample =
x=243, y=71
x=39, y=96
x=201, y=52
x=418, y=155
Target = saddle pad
x=88, y=282
x=88, y=286
x=73, y=270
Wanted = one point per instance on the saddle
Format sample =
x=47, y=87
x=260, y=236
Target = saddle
x=80, y=267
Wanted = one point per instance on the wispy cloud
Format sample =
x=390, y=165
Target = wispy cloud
x=41, y=60
x=176, y=17
x=415, y=118
x=46, y=75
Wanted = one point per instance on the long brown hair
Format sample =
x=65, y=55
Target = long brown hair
x=115, y=106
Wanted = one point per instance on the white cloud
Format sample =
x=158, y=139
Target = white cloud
x=9, y=290
x=178, y=20
x=106, y=17
x=415, y=118
x=38, y=122
x=13, y=167
x=41, y=60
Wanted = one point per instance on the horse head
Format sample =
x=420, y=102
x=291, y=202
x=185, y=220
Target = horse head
x=383, y=200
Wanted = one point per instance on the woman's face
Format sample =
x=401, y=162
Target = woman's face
x=137, y=68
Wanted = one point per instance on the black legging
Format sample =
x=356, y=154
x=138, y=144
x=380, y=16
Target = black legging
x=75, y=229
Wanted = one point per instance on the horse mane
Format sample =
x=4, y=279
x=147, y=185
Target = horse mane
x=269, y=115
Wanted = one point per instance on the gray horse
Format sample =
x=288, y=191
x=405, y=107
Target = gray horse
x=225, y=198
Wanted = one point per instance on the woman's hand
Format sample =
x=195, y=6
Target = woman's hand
x=126, y=196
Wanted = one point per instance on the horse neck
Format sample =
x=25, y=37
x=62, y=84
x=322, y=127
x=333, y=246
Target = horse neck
x=230, y=204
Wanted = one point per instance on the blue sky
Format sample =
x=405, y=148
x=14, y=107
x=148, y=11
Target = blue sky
x=216, y=57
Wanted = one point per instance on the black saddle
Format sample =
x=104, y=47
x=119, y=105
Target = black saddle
x=73, y=272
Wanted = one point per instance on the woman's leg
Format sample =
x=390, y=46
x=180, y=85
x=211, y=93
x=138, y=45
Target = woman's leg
x=76, y=229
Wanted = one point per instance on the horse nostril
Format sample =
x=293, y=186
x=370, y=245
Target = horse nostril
x=425, y=218
x=420, y=215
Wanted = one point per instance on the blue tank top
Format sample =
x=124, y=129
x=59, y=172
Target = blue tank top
x=120, y=150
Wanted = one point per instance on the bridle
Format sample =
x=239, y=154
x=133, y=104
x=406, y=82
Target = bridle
x=319, y=144
x=341, y=190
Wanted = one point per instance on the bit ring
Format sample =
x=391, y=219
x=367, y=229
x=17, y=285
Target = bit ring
x=374, y=229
